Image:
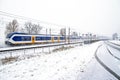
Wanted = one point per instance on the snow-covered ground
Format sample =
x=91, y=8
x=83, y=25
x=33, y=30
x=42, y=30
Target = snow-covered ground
x=115, y=41
x=108, y=58
x=94, y=71
x=30, y=49
x=73, y=64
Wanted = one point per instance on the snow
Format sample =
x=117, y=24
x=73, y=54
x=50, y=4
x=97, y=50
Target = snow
x=114, y=52
x=71, y=64
x=115, y=41
x=36, y=45
x=30, y=49
x=94, y=71
x=108, y=59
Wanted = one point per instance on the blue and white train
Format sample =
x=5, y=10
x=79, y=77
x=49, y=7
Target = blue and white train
x=16, y=38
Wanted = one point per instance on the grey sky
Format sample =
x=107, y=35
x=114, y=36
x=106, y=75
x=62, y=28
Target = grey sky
x=96, y=16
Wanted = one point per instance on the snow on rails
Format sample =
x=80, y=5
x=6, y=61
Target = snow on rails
x=108, y=58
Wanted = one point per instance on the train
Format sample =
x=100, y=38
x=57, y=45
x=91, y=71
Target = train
x=17, y=38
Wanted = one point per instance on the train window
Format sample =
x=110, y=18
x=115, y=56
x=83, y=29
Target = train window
x=26, y=38
x=48, y=38
x=9, y=35
x=17, y=38
x=22, y=38
x=62, y=38
x=55, y=38
x=40, y=38
x=43, y=38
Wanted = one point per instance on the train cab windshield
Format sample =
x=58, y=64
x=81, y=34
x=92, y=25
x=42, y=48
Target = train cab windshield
x=11, y=34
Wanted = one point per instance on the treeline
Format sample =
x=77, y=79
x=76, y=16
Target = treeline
x=32, y=28
x=28, y=27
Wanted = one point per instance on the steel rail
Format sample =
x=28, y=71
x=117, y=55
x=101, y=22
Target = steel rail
x=36, y=46
x=106, y=67
x=113, y=54
x=116, y=46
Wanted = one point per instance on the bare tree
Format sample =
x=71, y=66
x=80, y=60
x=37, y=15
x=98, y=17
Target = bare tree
x=115, y=36
x=12, y=27
x=32, y=28
x=63, y=31
x=36, y=28
x=28, y=27
x=22, y=30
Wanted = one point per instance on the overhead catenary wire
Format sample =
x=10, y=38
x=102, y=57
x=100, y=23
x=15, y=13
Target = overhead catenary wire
x=6, y=17
x=29, y=19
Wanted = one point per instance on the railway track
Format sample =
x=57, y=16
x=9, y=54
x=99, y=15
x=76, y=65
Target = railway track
x=108, y=60
x=32, y=49
x=114, y=45
x=35, y=46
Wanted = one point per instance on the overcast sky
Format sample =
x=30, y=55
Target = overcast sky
x=95, y=16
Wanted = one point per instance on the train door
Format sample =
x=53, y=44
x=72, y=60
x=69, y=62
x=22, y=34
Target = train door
x=52, y=39
x=58, y=39
x=33, y=39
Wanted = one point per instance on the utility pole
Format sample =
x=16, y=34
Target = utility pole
x=46, y=32
x=69, y=36
x=65, y=36
x=79, y=34
x=50, y=31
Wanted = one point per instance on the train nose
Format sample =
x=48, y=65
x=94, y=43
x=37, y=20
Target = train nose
x=7, y=41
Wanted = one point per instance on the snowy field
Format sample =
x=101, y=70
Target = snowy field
x=70, y=64
x=115, y=41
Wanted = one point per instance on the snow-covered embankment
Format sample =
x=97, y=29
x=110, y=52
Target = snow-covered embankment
x=62, y=65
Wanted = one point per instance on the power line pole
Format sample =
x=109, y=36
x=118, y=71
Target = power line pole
x=68, y=35
x=50, y=31
x=65, y=36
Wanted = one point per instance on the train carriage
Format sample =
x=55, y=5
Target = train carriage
x=23, y=38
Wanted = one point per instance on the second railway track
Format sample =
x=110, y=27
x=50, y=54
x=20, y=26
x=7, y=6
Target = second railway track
x=104, y=62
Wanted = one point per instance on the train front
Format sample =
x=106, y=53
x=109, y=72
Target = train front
x=8, y=38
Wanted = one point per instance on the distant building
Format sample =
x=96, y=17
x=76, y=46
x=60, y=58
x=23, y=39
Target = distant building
x=115, y=36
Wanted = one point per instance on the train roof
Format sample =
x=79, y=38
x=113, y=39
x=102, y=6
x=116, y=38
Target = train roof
x=11, y=34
